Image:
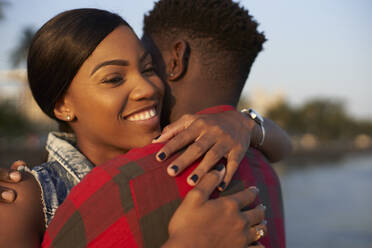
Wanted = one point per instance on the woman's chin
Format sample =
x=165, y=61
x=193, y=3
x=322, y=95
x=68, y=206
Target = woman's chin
x=147, y=139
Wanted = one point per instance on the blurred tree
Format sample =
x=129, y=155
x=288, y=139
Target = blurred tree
x=363, y=127
x=12, y=123
x=287, y=117
x=2, y=5
x=19, y=53
x=324, y=118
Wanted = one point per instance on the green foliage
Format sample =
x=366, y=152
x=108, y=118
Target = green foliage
x=286, y=117
x=327, y=119
x=12, y=122
x=2, y=5
x=19, y=53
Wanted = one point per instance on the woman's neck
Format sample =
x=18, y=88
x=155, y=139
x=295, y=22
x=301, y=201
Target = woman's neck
x=98, y=154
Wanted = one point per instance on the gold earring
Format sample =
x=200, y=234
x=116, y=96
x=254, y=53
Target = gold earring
x=171, y=74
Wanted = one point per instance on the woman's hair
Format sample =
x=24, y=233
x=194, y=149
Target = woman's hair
x=60, y=47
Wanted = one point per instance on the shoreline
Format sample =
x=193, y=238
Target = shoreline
x=324, y=153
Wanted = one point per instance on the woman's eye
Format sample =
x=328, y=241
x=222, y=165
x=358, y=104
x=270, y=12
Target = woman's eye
x=149, y=71
x=113, y=80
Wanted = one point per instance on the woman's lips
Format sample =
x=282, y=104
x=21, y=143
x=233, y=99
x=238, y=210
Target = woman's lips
x=142, y=115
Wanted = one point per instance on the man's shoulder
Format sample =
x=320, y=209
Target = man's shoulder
x=138, y=159
x=123, y=167
x=255, y=157
x=255, y=168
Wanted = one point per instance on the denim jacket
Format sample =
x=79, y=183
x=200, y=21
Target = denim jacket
x=65, y=168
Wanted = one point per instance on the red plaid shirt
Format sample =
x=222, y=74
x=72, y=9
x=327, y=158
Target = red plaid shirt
x=129, y=201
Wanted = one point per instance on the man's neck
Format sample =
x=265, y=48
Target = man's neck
x=194, y=98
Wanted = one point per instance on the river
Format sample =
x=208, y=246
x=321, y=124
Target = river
x=329, y=204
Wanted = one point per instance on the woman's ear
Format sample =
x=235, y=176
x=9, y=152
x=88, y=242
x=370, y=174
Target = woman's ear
x=178, y=61
x=63, y=109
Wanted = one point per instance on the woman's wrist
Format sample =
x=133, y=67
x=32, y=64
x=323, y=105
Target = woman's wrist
x=256, y=137
x=254, y=129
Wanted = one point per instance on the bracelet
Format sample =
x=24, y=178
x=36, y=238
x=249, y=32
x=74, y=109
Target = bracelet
x=263, y=135
x=258, y=119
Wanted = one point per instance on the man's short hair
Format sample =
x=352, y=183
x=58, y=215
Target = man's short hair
x=222, y=31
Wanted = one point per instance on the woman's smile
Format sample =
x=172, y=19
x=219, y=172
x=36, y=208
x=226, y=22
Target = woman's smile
x=145, y=115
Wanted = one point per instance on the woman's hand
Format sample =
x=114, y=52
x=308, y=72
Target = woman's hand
x=8, y=195
x=216, y=136
x=199, y=222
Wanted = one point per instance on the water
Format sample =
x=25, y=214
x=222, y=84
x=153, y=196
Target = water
x=329, y=204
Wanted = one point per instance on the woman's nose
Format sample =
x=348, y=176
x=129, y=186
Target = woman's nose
x=144, y=89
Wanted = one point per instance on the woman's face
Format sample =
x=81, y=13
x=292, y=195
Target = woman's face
x=115, y=98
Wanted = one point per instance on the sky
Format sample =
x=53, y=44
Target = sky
x=317, y=48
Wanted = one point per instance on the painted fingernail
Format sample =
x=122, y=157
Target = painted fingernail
x=222, y=185
x=8, y=196
x=220, y=167
x=161, y=156
x=15, y=176
x=262, y=206
x=254, y=190
x=174, y=168
x=194, y=178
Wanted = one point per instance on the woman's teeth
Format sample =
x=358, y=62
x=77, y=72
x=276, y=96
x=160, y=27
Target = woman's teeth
x=143, y=115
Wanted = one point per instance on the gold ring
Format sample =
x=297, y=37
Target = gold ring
x=259, y=233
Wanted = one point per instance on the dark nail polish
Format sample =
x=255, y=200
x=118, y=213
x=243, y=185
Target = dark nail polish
x=220, y=167
x=222, y=185
x=194, y=178
x=161, y=156
x=174, y=168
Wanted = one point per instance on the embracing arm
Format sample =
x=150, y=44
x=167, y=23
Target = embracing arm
x=277, y=144
x=222, y=135
x=22, y=222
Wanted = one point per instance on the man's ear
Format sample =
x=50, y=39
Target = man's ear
x=63, y=110
x=178, y=60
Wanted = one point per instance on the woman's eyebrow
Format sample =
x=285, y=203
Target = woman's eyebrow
x=110, y=62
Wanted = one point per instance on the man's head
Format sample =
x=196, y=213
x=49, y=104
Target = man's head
x=207, y=48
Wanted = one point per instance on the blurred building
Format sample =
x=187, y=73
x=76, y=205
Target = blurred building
x=261, y=99
x=362, y=141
